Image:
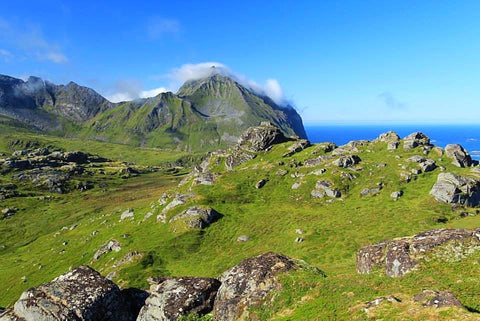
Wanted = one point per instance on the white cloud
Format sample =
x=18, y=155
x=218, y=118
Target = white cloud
x=186, y=72
x=30, y=40
x=160, y=26
x=5, y=54
x=131, y=89
x=152, y=92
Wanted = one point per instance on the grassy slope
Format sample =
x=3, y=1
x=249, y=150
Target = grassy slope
x=334, y=232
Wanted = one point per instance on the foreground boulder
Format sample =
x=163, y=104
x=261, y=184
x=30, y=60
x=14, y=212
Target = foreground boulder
x=248, y=283
x=171, y=298
x=81, y=295
x=460, y=157
x=400, y=256
x=455, y=189
x=259, y=138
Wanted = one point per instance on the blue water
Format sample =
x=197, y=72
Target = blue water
x=466, y=135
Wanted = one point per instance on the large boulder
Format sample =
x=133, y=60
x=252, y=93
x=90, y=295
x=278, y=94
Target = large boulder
x=416, y=139
x=196, y=217
x=455, y=189
x=430, y=298
x=237, y=157
x=460, y=157
x=347, y=161
x=248, y=283
x=171, y=298
x=387, y=137
x=400, y=256
x=80, y=295
x=259, y=138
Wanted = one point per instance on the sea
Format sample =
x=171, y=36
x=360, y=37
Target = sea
x=466, y=135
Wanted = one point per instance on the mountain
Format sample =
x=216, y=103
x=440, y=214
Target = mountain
x=205, y=114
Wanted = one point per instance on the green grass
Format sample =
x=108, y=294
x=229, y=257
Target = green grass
x=269, y=216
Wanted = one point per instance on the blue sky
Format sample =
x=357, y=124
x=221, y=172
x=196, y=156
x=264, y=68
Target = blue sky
x=337, y=61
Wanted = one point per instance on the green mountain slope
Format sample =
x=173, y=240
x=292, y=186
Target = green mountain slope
x=282, y=216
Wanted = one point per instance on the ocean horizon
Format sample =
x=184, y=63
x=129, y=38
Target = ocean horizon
x=466, y=135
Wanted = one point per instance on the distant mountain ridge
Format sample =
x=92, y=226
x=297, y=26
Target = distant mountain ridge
x=205, y=114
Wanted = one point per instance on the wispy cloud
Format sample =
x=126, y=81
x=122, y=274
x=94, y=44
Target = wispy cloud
x=391, y=101
x=31, y=42
x=5, y=55
x=158, y=27
x=131, y=89
x=270, y=88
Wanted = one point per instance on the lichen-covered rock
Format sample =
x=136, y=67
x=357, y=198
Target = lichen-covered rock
x=437, y=299
x=259, y=138
x=455, y=189
x=460, y=157
x=108, y=247
x=81, y=295
x=248, y=283
x=326, y=188
x=171, y=298
x=416, y=139
x=387, y=137
x=297, y=147
x=238, y=157
x=347, y=161
x=197, y=217
x=180, y=199
x=400, y=256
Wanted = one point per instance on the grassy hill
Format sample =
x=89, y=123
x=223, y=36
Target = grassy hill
x=47, y=236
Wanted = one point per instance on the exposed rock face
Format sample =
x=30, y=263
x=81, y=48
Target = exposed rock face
x=247, y=283
x=81, y=294
x=171, y=298
x=260, y=138
x=400, y=256
x=297, y=147
x=238, y=157
x=436, y=299
x=460, y=157
x=204, y=179
x=197, y=217
x=416, y=139
x=317, y=161
x=107, y=248
x=347, y=161
x=455, y=189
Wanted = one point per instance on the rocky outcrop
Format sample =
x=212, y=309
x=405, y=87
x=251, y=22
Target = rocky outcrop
x=455, y=189
x=426, y=164
x=460, y=157
x=107, y=248
x=429, y=298
x=259, y=138
x=171, y=298
x=237, y=157
x=196, y=217
x=416, y=139
x=248, y=283
x=400, y=256
x=324, y=188
x=347, y=161
x=81, y=295
x=297, y=147
x=390, y=136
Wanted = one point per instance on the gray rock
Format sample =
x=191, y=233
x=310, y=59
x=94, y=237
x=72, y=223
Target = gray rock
x=416, y=139
x=317, y=161
x=81, y=295
x=392, y=145
x=243, y=238
x=281, y=172
x=299, y=240
x=128, y=258
x=400, y=256
x=128, y=214
x=237, y=157
x=317, y=194
x=259, y=138
x=387, y=137
x=429, y=298
x=297, y=147
x=369, y=191
x=376, y=302
x=318, y=172
x=180, y=199
x=347, y=161
x=455, y=189
x=325, y=186
x=396, y=195
x=261, y=183
x=299, y=231
x=108, y=247
x=204, y=179
x=460, y=157
x=171, y=298
x=197, y=217
x=248, y=283
x=296, y=185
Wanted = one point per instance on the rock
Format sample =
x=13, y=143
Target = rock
x=204, y=179
x=147, y=216
x=197, y=217
x=180, y=199
x=128, y=258
x=296, y=185
x=416, y=139
x=406, y=177
x=128, y=214
x=436, y=299
x=371, y=304
x=248, y=283
x=261, y=183
x=259, y=138
x=400, y=256
x=238, y=157
x=455, y=189
x=75, y=157
x=281, y=172
x=460, y=157
x=297, y=147
x=107, y=248
x=317, y=161
x=299, y=240
x=318, y=172
x=416, y=171
x=325, y=186
x=243, y=238
x=392, y=145
x=171, y=298
x=8, y=211
x=387, y=137
x=163, y=199
x=368, y=191
x=81, y=294
x=396, y=195
x=347, y=161
x=426, y=164
x=53, y=180
x=317, y=194
x=299, y=231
